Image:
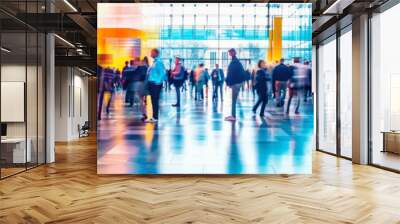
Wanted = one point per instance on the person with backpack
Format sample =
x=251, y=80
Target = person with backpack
x=234, y=79
x=261, y=87
x=178, y=77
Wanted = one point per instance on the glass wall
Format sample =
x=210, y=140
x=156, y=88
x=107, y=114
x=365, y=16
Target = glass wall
x=13, y=122
x=385, y=89
x=346, y=92
x=203, y=34
x=22, y=89
x=326, y=104
x=334, y=102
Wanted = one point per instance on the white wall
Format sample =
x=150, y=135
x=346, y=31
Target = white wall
x=71, y=102
x=61, y=103
x=80, y=103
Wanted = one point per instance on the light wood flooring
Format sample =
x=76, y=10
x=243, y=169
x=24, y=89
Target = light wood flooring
x=70, y=191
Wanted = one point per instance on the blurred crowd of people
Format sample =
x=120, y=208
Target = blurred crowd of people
x=139, y=79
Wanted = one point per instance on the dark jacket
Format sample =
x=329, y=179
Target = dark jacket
x=236, y=73
x=124, y=72
x=281, y=73
x=262, y=77
x=214, y=76
x=191, y=76
x=309, y=77
x=140, y=73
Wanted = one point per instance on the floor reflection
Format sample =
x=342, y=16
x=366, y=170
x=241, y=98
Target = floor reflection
x=195, y=139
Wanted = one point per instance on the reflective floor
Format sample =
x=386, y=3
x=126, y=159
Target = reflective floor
x=195, y=139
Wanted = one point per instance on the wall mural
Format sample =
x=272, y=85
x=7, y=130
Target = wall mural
x=204, y=88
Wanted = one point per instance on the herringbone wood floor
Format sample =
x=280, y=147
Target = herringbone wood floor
x=70, y=191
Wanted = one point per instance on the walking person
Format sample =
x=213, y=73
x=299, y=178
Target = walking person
x=248, y=79
x=138, y=85
x=156, y=75
x=296, y=83
x=308, y=81
x=261, y=87
x=117, y=81
x=206, y=79
x=178, y=77
x=234, y=80
x=217, y=78
x=128, y=82
x=145, y=65
x=253, y=82
x=192, y=81
x=123, y=78
x=200, y=80
x=280, y=77
x=106, y=85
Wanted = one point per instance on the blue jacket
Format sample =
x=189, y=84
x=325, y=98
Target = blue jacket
x=236, y=73
x=156, y=73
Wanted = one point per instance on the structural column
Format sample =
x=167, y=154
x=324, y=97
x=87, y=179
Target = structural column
x=50, y=99
x=360, y=89
x=50, y=92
